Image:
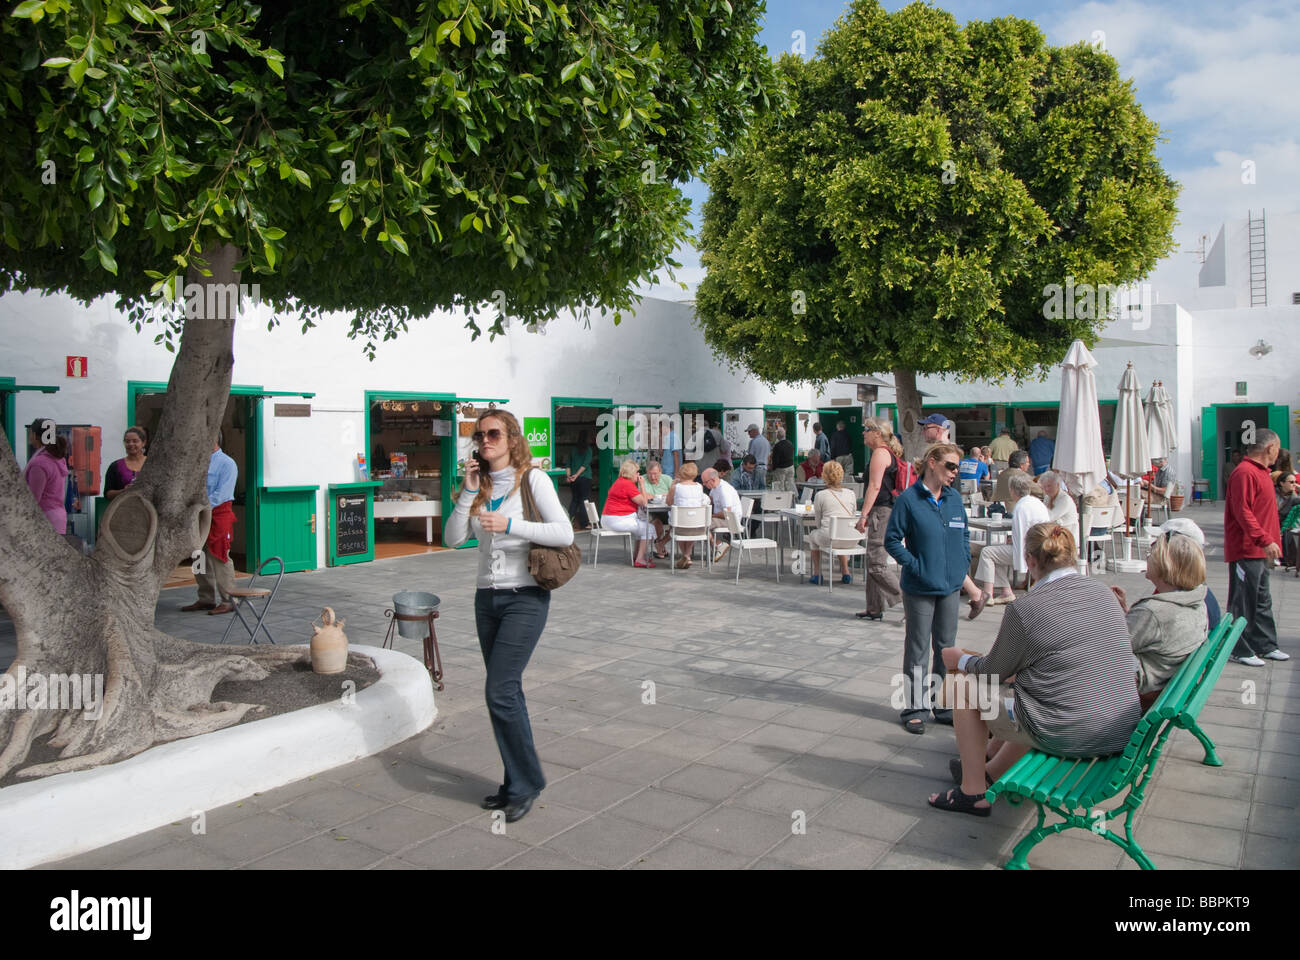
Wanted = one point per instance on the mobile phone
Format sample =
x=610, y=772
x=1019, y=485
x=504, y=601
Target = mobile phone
x=481, y=461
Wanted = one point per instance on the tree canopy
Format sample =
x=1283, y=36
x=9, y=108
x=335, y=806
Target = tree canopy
x=382, y=157
x=922, y=187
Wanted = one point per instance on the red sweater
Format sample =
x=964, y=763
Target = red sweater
x=618, y=503
x=1250, y=513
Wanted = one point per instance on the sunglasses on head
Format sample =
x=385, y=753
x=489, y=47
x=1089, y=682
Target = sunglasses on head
x=495, y=434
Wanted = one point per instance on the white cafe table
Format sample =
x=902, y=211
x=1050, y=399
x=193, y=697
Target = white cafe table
x=992, y=526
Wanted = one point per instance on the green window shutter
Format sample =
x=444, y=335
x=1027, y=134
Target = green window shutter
x=1279, y=421
x=1210, y=448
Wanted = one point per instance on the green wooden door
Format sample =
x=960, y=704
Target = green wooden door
x=1210, y=449
x=287, y=526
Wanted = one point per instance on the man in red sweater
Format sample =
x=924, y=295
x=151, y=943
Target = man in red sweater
x=1252, y=540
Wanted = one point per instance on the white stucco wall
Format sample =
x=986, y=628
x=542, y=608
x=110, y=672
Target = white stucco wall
x=656, y=355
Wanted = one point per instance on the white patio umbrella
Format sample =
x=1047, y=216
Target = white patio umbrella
x=1129, y=454
x=1162, y=436
x=1079, y=457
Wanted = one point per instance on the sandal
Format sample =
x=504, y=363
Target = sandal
x=954, y=767
x=977, y=607
x=955, y=801
x=914, y=725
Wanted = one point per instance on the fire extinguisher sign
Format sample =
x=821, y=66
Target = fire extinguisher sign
x=76, y=366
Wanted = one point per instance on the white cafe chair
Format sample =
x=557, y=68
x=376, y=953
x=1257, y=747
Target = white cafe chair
x=843, y=530
x=740, y=543
x=1099, y=518
x=686, y=518
x=597, y=531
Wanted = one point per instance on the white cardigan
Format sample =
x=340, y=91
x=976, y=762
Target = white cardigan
x=502, y=557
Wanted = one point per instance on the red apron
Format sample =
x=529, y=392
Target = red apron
x=219, y=534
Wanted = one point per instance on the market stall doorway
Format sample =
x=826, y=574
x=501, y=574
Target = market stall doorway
x=590, y=419
x=411, y=444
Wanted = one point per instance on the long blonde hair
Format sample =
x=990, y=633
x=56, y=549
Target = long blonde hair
x=886, y=431
x=521, y=456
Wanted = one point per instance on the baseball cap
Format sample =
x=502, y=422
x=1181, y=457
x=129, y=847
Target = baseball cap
x=1187, y=528
x=938, y=419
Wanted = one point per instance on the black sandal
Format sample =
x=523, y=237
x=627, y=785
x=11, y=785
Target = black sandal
x=954, y=801
x=954, y=767
x=914, y=725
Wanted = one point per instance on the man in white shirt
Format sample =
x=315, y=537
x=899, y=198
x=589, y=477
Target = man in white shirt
x=1059, y=503
x=724, y=497
x=760, y=450
x=999, y=561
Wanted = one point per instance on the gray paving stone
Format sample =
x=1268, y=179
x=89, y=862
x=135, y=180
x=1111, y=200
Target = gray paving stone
x=393, y=863
x=253, y=837
x=606, y=841
x=332, y=805
x=746, y=758
x=116, y=853
x=545, y=820
x=637, y=766
x=179, y=855
x=1195, y=778
x=1200, y=808
x=621, y=733
x=1189, y=840
x=829, y=849
x=1275, y=821
x=684, y=747
x=468, y=847
x=681, y=854
x=662, y=809
x=783, y=798
x=587, y=791
x=868, y=818
x=576, y=751
x=905, y=857
x=1075, y=851
x=737, y=829
x=395, y=827
x=541, y=858
x=706, y=782
x=1270, y=853
x=827, y=772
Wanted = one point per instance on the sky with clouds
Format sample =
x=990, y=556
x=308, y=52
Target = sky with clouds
x=1221, y=79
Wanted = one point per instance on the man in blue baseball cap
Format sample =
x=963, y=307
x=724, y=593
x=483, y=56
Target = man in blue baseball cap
x=936, y=429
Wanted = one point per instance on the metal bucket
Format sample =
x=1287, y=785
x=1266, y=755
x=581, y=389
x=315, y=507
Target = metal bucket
x=414, y=603
x=1200, y=489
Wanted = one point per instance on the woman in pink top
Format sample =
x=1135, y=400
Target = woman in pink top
x=47, y=473
x=620, y=514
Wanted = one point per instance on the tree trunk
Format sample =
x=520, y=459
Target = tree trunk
x=94, y=615
x=908, y=399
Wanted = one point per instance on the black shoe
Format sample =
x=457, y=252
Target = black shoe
x=518, y=809
x=863, y=615
x=495, y=801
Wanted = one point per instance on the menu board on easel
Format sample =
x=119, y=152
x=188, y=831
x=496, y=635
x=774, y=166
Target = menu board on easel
x=350, y=507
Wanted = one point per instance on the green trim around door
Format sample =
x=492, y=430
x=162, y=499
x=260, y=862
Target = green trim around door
x=1279, y=421
x=604, y=454
x=8, y=387
x=253, y=393
x=448, y=465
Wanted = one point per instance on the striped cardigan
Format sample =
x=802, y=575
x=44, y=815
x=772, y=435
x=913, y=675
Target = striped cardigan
x=1067, y=642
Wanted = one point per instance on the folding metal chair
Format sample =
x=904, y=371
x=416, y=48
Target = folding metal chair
x=244, y=598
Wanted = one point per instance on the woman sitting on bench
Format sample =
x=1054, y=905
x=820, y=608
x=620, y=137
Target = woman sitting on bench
x=1067, y=645
x=1167, y=627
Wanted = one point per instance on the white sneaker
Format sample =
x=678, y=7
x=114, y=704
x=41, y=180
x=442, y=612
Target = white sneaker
x=1251, y=661
x=1277, y=655
x=721, y=552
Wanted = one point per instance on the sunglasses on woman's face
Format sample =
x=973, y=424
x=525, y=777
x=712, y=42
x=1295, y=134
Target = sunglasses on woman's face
x=495, y=435
x=952, y=467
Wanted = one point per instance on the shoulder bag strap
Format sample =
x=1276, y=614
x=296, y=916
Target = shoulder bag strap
x=531, y=513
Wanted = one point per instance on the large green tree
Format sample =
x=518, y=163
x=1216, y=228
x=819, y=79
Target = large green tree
x=379, y=157
x=915, y=202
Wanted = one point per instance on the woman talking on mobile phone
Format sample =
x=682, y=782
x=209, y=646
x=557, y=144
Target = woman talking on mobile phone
x=509, y=607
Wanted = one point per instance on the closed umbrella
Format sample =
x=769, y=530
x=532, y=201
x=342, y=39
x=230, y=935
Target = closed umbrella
x=1079, y=457
x=1162, y=436
x=1129, y=454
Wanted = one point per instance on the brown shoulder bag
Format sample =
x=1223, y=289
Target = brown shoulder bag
x=551, y=567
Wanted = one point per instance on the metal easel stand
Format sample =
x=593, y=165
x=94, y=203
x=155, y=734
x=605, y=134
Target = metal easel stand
x=432, y=657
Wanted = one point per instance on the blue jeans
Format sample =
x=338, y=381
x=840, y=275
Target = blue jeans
x=510, y=622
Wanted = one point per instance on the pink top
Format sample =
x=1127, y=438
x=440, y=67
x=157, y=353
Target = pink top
x=619, y=501
x=47, y=476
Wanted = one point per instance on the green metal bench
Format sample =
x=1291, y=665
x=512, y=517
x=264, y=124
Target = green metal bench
x=1071, y=788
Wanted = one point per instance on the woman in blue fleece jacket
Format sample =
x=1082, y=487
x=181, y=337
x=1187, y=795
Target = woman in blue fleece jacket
x=928, y=536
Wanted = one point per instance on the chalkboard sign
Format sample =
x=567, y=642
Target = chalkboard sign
x=351, y=529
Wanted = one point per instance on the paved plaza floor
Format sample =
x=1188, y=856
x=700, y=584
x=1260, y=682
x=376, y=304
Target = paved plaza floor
x=771, y=702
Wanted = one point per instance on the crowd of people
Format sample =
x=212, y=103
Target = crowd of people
x=1076, y=662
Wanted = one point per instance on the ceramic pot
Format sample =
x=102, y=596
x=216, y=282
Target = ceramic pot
x=329, y=644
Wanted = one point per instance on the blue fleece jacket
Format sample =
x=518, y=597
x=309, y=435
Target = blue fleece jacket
x=930, y=541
